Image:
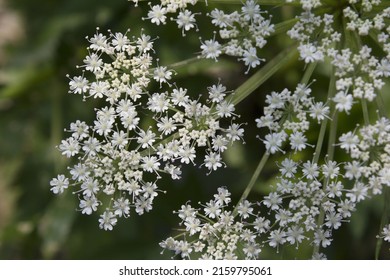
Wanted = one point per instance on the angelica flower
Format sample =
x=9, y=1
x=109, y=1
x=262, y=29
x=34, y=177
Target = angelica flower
x=162, y=75
x=59, y=184
x=107, y=220
x=212, y=161
x=157, y=15
x=186, y=20
x=78, y=85
x=274, y=141
x=211, y=49
x=250, y=58
x=309, y=53
x=298, y=141
x=343, y=101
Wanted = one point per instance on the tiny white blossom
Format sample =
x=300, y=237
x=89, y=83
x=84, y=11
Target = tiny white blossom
x=157, y=14
x=107, y=220
x=343, y=101
x=213, y=161
x=309, y=53
x=59, y=184
x=211, y=49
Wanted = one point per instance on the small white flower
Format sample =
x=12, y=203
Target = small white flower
x=245, y=209
x=309, y=53
x=212, y=209
x=310, y=170
x=157, y=14
x=122, y=207
x=217, y=93
x=223, y=196
x=289, y=168
x=162, y=75
x=211, y=49
x=274, y=141
x=107, y=220
x=250, y=58
x=185, y=20
x=322, y=238
x=78, y=85
x=319, y=111
x=225, y=109
x=93, y=63
x=277, y=237
x=69, y=147
x=348, y=141
x=343, y=101
x=212, y=161
x=272, y=201
x=298, y=141
x=59, y=184
x=88, y=205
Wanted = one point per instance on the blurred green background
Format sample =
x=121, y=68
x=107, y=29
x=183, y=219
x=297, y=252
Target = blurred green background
x=43, y=40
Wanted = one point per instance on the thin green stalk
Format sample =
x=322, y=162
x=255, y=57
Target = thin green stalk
x=262, y=75
x=253, y=180
x=330, y=152
x=365, y=112
x=308, y=73
x=381, y=105
x=185, y=62
x=332, y=135
x=321, y=135
x=320, y=141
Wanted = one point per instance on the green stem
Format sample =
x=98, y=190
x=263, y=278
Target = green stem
x=183, y=63
x=332, y=139
x=253, y=180
x=308, y=73
x=321, y=135
x=332, y=135
x=381, y=105
x=262, y=75
x=365, y=112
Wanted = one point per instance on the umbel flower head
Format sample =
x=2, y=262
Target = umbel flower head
x=119, y=160
x=214, y=232
x=243, y=32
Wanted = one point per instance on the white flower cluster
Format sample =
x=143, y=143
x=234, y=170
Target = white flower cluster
x=370, y=150
x=214, y=232
x=244, y=31
x=119, y=158
x=359, y=72
x=314, y=198
x=287, y=116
